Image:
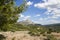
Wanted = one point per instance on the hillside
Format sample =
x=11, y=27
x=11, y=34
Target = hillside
x=29, y=25
x=55, y=27
x=26, y=22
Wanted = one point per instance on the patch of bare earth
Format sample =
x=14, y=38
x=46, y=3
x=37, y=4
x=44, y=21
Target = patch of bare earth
x=56, y=35
x=21, y=35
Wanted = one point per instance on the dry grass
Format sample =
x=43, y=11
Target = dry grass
x=23, y=35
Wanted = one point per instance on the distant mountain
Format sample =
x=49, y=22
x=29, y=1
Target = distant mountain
x=37, y=24
x=26, y=22
x=29, y=23
x=55, y=27
x=57, y=24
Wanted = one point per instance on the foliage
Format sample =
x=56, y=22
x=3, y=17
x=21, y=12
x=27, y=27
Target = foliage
x=49, y=31
x=13, y=38
x=36, y=30
x=51, y=37
x=9, y=13
x=2, y=37
x=53, y=27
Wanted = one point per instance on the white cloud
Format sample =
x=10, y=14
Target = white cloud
x=45, y=0
x=48, y=4
x=26, y=17
x=37, y=15
x=21, y=15
x=52, y=6
x=52, y=21
x=41, y=19
x=29, y=3
x=44, y=22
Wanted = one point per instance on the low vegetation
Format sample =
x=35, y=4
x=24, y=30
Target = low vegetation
x=2, y=37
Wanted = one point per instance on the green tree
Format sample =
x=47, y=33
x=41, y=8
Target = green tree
x=9, y=13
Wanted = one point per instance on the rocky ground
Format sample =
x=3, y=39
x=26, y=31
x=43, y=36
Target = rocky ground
x=21, y=35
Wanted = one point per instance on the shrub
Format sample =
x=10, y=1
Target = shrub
x=51, y=37
x=34, y=33
x=2, y=37
x=44, y=34
x=49, y=32
x=13, y=38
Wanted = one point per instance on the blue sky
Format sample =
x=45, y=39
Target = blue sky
x=41, y=11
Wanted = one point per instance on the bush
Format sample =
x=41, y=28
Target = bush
x=44, y=34
x=49, y=32
x=31, y=33
x=46, y=39
x=13, y=38
x=2, y=37
x=34, y=33
x=51, y=37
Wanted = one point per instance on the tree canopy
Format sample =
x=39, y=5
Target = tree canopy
x=9, y=13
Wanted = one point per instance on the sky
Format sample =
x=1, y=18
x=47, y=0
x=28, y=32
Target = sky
x=41, y=11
